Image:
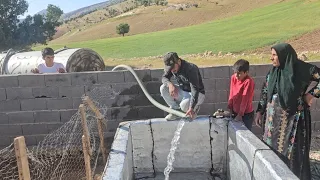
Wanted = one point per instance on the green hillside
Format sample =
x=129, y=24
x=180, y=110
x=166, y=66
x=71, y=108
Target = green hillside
x=248, y=31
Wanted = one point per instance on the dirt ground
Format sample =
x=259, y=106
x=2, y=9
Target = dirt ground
x=304, y=43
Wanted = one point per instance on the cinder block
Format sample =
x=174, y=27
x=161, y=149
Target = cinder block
x=33, y=104
x=220, y=96
x=110, y=77
x=194, y=151
x=84, y=78
x=210, y=97
x=4, y=118
x=76, y=102
x=153, y=87
x=71, y=91
x=124, y=113
x=63, y=103
x=216, y=72
x=40, y=138
x=112, y=126
x=209, y=84
x=315, y=115
x=63, y=79
x=53, y=127
x=127, y=88
x=150, y=112
x=316, y=104
x=46, y=116
x=20, y=117
x=67, y=114
x=268, y=164
x=144, y=75
x=223, y=105
x=19, y=93
x=255, y=105
x=207, y=109
x=34, y=80
x=257, y=95
x=141, y=100
x=3, y=95
x=7, y=81
x=104, y=90
x=258, y=82
x=316, y=63
x=31, y=140
x=4, y=141
x=10, y=105
x=156, y=74
x=142, y=147
x=260, y=70
x=118, y=101
x=222, y=84
x=49, y=92
x=10, y=130
x=34, y=129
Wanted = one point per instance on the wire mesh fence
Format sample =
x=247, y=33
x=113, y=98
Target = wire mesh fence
x=60, y=154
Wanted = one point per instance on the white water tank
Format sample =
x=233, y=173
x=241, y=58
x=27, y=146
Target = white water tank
x=74, y=59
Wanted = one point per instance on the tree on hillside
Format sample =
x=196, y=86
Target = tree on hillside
x=32, y=30
x=123, y=28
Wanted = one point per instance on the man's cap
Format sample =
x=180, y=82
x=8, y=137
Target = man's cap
x=170, y=59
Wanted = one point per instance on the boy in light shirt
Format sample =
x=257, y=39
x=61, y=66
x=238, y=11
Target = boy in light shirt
x=49, y=66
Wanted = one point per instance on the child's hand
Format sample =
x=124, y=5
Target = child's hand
x=238, y=118
x=35, y=70
x=257, y=120
x=61, y=70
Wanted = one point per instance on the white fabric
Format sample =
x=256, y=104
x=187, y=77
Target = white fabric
x=54, y=69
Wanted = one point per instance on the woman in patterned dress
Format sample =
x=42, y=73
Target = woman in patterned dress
x=284, y=108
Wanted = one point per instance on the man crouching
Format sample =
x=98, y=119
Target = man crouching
x=189, y=94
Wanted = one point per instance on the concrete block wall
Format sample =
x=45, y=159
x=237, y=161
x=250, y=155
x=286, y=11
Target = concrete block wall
x=34, y=105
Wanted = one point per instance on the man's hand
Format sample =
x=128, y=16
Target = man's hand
x=61, y=70
x=190, y=113
x=173, y=91
x=238, y=118
x=308, y=99
x=35, y=70
x=257, y=120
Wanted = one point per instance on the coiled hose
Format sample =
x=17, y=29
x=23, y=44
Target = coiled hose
x=154, y=102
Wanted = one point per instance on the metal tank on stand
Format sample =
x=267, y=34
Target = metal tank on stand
x=74, y=59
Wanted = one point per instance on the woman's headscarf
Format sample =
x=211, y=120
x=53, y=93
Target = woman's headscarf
x=290, y=78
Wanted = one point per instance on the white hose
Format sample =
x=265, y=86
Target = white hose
x=154, y=102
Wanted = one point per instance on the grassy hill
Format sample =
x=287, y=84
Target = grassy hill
x=99, y=25
x=250, y=30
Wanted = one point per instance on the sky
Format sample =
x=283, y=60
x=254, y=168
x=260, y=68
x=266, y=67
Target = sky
x=66, y=5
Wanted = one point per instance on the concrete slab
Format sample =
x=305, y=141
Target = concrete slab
x=142, y=145
x=119, y=165
x=267, y=164
x=242, y=146
x=193, y=152
x=219, y=144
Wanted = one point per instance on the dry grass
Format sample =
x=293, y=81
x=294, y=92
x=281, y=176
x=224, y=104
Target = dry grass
x=206, y=59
